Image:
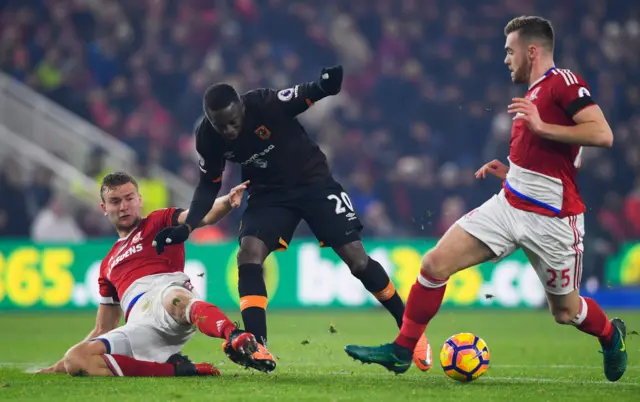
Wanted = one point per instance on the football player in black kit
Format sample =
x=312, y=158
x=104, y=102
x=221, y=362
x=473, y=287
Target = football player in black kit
x=289, y=180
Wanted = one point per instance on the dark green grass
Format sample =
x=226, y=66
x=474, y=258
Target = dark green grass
x=532, y=359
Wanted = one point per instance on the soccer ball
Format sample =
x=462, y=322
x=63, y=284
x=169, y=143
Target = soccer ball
x=464, y=357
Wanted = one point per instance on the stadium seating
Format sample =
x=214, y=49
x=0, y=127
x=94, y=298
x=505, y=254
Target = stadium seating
x=423, y=105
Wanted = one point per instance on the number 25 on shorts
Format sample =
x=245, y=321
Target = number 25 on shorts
x=558, y=281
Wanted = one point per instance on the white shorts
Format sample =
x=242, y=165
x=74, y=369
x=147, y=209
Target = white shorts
x=553, y=245
x=150, y=333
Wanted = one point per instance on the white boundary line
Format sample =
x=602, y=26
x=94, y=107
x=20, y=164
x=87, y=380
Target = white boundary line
x=489, y=377
x=34, y=367
x=555, y=366
x=23, y=364
x=533, y=380
x=437, y=365
x=558, y=381
x=325, y=364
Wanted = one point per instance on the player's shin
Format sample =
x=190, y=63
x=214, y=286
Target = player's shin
x=423, y=304
x=209, y=319
x=253, y=300
x=375, y=280
x=592, y=320
x=124, y=366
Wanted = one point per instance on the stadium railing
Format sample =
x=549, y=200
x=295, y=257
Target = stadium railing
x=33, y=116
x=67, y=177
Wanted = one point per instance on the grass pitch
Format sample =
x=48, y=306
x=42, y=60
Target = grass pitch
x=532, y=359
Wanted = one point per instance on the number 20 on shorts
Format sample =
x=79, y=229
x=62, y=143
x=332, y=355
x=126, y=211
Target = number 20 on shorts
x=343, y=199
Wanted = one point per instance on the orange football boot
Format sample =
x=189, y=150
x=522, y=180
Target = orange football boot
x=258, y=356
x=422, y=354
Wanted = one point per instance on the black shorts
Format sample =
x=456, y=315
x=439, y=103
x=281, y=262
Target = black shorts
x=273, y=217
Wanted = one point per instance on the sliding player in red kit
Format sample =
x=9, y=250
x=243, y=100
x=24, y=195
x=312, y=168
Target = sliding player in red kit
x=161, y=309
x=539, y=208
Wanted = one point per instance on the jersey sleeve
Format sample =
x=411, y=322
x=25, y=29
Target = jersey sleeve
x=571, y=92
x=166, y=217
x=108, y=293
x=290, y=102
x=210, y=157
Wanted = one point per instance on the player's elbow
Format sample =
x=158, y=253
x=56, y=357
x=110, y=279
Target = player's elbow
x=605, y=136
x=606, y=139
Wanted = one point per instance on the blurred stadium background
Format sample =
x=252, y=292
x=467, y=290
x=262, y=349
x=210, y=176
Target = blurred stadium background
x=91, y=86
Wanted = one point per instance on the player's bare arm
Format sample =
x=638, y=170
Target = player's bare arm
x=107, y=318
x=221, y=207
x=591, y=129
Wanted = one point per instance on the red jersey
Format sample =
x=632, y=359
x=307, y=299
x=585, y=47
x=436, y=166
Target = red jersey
x=542, y=172
x=133, y=257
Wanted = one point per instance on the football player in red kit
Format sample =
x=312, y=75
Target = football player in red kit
x=539, y=208
x=161, y=309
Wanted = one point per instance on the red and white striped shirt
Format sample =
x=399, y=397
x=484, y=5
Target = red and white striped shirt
x=542, y=173
x=134, y=257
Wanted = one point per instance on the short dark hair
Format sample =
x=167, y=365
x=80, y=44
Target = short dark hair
x=116, y=179
x=219, y=96
x=532, y=28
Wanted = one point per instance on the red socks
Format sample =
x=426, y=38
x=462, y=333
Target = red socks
x=592, y=320
x=124, y=366
x=209, y=319
x=426, y=297
x=423, y=303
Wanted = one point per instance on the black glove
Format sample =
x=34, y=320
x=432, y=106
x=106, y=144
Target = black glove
x=331, y=80
x=171, y=235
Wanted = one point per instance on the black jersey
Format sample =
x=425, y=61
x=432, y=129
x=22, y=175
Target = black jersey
x=273, y=148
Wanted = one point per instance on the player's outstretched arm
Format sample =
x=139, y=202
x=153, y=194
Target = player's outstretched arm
x=298, y=99
x=221, y=207
x=211, y=164
x=107, y=319
x=203, y=198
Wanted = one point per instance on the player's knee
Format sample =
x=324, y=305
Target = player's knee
x=563, y=316
x=76, y=360
x=175, y=302
x=435, y=265
x=74, y=366
x=250, y=253
x=358, y=265
x=564, y=308
x=355, y=256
